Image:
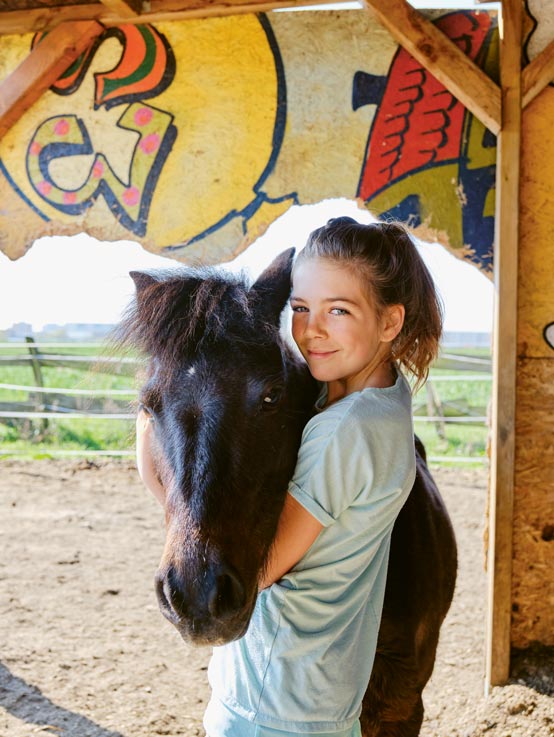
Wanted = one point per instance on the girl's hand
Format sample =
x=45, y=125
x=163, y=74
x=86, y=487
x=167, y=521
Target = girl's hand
x=145, y=462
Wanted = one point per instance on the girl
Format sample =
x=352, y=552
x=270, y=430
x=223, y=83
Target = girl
x=364, y=309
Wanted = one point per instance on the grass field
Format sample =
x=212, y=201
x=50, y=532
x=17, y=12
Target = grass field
x=39, y=438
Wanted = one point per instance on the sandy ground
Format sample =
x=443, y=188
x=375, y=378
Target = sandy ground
x=85, y=652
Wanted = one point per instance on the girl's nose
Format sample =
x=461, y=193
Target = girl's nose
x=314, y=326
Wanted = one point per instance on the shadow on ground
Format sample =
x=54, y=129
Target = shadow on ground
x=534, y=667
x=29, y=704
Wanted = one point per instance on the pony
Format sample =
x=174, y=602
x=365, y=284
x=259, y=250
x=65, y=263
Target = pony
x=229, y=399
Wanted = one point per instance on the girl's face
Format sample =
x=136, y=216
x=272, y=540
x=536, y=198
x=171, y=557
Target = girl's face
x=337, y=329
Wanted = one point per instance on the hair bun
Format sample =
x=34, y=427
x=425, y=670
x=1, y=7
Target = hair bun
x=342, y=220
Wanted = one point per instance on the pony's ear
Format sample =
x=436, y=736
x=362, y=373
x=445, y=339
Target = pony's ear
x=142, y=280
x=271, y=289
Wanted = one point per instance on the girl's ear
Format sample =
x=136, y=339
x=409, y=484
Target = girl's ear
x=393, y=320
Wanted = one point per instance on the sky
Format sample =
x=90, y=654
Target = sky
x=80, y=279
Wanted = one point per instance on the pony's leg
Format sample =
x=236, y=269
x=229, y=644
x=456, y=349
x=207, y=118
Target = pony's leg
x=409, y=727
x=392, y=705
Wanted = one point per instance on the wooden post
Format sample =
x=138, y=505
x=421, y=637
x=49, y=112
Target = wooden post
x=434, y=403
x=505, y=351
x=35, y=363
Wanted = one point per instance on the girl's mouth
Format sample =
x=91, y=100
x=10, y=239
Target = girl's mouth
x=320, y=354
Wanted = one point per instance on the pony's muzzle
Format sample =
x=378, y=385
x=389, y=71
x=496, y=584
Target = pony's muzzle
x=222, y=596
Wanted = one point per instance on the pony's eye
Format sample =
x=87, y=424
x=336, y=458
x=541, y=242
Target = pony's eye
x=150, y=402
x=272, y=397
x=146, y=409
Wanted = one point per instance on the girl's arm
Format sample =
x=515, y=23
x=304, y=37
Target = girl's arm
x=296, y=532
x=145, y=461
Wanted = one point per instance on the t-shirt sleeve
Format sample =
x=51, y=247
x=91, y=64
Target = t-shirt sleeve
x=334, y=466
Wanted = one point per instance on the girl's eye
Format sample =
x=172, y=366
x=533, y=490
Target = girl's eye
x=299, y=308
x=339, y=311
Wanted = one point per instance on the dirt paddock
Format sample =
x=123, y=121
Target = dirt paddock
x=85, y=652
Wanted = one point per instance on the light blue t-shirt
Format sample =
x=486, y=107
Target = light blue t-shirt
x=304, y=664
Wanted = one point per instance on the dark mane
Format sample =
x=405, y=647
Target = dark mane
x=176, y=313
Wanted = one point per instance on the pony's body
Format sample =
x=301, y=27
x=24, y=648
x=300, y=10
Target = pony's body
x=229, y=401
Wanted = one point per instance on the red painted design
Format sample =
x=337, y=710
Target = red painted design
x=419, y=123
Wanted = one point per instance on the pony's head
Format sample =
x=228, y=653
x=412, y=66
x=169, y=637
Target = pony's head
x=228, y=400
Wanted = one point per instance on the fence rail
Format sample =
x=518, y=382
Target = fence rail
x=46, y=403
x=76, y=392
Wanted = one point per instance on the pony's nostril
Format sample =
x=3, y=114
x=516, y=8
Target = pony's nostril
x=169, y=600
x=227, y=596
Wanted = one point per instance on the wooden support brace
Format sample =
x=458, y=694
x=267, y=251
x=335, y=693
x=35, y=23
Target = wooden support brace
x=442, y=58
x=123, y=8
x=537, y=75
x=498, y=646
x=46, y=62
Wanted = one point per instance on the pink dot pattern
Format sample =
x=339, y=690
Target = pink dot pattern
x=131, y=196
x=150, y=143
x=69, y=198
x=44, y=187
x=61, y=128
x=97, y=169
x=143, y=116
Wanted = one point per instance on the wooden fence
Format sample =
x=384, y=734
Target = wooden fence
x=45, y=403
x=50, y=402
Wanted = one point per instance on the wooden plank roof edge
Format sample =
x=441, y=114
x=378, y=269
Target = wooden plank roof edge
x=124, y=8
x=41, y=19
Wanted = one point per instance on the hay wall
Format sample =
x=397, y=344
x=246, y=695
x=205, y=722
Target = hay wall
x=533, y=532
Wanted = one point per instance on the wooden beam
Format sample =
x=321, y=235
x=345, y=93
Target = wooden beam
x=498, y=645
x=46, y=18
x=123, y=8
x=46, y=62
x=537, y=75
x=41, y=19
x=440, y=56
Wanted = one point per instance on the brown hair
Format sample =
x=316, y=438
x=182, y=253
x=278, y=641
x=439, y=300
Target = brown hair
x=386, y=258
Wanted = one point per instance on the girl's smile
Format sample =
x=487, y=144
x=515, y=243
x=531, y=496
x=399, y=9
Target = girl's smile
x=338, y=331
x=320, y=354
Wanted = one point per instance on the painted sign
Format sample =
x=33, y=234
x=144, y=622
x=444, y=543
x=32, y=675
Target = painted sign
x=192, y=137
